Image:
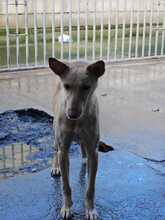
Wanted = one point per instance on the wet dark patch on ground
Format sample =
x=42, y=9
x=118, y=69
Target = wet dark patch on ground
x=27, y=129
x=29, y=126
x=33, y=128
x=126, y=188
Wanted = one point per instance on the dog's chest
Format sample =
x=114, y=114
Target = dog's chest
x=85, y=129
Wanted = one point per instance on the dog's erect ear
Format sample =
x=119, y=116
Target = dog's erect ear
x=97, y=68
x=58, y=67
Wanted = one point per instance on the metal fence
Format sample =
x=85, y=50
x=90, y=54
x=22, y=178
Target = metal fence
x=104, y=31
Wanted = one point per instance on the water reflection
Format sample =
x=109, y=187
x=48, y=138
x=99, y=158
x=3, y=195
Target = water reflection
x=19, y=158
x=122, y=75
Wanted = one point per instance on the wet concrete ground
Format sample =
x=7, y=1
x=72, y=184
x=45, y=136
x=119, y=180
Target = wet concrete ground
x=132, y=120
x=126, y=188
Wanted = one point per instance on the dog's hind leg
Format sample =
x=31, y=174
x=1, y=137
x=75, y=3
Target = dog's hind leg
x=83, y=153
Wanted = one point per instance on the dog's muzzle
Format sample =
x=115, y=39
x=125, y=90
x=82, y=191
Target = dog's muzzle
x=73, y=114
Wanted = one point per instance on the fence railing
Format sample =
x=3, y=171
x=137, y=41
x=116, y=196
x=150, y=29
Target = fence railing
x=107, y=29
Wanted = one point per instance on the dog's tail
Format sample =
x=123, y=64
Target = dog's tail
x=104, y=147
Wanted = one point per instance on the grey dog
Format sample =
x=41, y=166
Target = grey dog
x=76, y=114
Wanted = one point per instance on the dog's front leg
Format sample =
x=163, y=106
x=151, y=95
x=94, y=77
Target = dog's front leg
x=92, y=156
x=64, y=139
x=83, y=152
x=64, y=167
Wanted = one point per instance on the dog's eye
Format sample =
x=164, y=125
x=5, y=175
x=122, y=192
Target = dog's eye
x=67, y=86
x=86, y=87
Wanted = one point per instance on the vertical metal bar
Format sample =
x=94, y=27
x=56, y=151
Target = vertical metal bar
x=86, y=31
x=109, y=30
x=116, y=28
x=4, y=157
x=130, y=33
x=13, y=155
x=26, y=32
x=30, y=150
x=35, y=33
x=137, y=31
x=101, y=31
x=157, y=30
x=53, y=28
x=17, y=34
x=62, y=29
x=7, y=36
x=94, y=29
x=22, y=154
x=44, y=30
x=150, y=31
x=70, y=29
x=163, y=34
x=78, y=29
x=144, y=30
x=123, y=30
x=1, y=161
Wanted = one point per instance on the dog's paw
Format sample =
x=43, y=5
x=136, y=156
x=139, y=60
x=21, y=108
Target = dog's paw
x=91, y=214
x=66, y=213
x=55, y=172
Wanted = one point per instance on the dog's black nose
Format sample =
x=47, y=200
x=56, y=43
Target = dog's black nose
x=73, y=114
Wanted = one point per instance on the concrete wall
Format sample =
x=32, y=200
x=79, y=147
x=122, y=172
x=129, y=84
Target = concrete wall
x=47, y=4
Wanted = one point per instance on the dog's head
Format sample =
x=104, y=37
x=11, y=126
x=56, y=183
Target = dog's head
x=79, y=82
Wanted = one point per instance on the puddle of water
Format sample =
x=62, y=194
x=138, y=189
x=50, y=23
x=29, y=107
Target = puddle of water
x=26, y=140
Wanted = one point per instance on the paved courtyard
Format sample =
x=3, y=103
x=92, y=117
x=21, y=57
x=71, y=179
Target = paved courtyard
x=131, y=179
